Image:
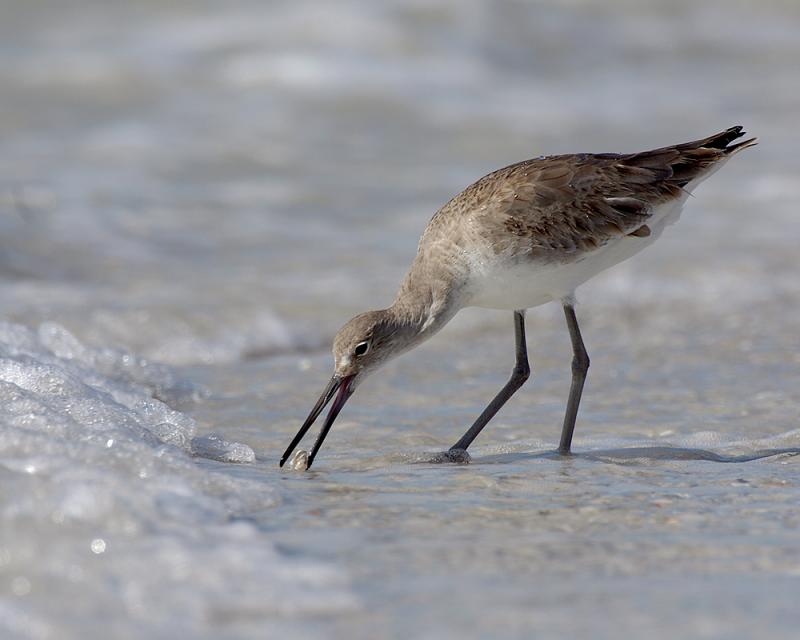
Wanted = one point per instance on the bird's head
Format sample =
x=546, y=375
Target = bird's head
x=364, y=344
x=360, y=347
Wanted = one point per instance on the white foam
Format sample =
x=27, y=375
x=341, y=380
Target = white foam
x=100, y=496
x=215, y=447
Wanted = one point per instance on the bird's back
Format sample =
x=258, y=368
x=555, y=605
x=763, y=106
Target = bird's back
x=561, y=210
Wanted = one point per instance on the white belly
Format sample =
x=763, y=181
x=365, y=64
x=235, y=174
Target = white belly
x=505, y=283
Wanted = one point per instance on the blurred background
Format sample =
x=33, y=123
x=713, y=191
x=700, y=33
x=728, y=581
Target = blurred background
x=194, y=196
x=200, y=183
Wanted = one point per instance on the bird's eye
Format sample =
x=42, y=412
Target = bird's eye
x=362, y=348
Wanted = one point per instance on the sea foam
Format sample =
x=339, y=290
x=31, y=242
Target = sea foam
x=103, y=506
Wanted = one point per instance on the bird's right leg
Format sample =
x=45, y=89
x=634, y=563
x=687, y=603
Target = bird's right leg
x=519, y=375
x=580, y=365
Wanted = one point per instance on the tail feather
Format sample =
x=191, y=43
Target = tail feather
x=739, y=146
x=720, y=141
x=686, y=163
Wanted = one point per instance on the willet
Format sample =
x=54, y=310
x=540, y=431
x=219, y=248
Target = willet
x=517, y=238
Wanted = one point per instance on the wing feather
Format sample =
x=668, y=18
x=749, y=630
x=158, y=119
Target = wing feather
x=579, y=202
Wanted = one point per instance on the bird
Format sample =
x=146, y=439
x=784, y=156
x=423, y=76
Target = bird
x=522, y=236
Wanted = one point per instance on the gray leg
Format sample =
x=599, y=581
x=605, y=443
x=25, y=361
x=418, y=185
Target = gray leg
x=519, y=375
x=580, y=365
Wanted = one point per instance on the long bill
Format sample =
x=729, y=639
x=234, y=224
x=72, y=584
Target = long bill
x=342, y=385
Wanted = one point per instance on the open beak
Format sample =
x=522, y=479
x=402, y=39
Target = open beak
x=343, y=385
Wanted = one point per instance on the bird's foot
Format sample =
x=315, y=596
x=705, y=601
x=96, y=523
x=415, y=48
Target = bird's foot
x=453, y=456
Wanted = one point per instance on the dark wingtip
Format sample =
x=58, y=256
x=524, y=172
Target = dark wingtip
x=722, y=140
x=736, y=131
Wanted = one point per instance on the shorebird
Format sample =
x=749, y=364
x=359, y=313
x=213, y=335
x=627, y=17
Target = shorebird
x=520, y=237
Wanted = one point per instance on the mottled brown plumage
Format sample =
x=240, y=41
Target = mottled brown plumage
x=553, y=206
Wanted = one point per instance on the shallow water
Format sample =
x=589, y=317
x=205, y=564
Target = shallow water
x=194, y=198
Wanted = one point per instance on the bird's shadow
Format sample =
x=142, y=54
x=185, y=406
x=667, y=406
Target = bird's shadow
x=622, y=456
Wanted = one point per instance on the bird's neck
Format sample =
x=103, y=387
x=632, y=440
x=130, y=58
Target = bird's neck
x=427, y=300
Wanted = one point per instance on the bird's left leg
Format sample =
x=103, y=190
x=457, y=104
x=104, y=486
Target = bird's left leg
x=519, y=375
